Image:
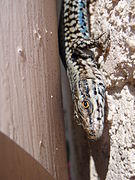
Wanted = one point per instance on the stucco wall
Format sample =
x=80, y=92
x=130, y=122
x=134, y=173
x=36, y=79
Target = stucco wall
x=118, y=17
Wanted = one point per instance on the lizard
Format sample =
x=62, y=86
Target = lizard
x=76, y=48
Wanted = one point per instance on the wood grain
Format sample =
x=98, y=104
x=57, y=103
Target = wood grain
x=30, y=94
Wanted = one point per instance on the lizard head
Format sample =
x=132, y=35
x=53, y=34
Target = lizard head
x=89, y=106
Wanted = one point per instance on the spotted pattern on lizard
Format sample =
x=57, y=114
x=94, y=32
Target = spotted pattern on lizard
x=86, y=81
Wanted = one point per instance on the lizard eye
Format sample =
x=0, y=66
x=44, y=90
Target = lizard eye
x=85, y=104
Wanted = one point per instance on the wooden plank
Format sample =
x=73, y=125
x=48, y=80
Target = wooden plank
x=30, y=93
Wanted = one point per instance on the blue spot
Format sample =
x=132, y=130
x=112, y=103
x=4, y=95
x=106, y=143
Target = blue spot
x=81, y=5
x=82, y=23
x=80, y=14
x=83, y=30
x=81, y=19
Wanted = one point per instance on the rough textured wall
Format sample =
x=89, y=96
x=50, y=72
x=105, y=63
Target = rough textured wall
x=117, y=16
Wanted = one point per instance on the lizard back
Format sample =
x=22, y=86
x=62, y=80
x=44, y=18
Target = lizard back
x=73, y=26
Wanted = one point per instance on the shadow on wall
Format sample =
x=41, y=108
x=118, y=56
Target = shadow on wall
x=16, y=164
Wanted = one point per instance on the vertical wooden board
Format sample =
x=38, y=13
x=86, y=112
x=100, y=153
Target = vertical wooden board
x=30, y=95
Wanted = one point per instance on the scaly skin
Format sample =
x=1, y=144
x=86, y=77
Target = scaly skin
x=86, y=81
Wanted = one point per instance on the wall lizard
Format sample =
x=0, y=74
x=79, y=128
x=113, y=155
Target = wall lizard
x=77, y=53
